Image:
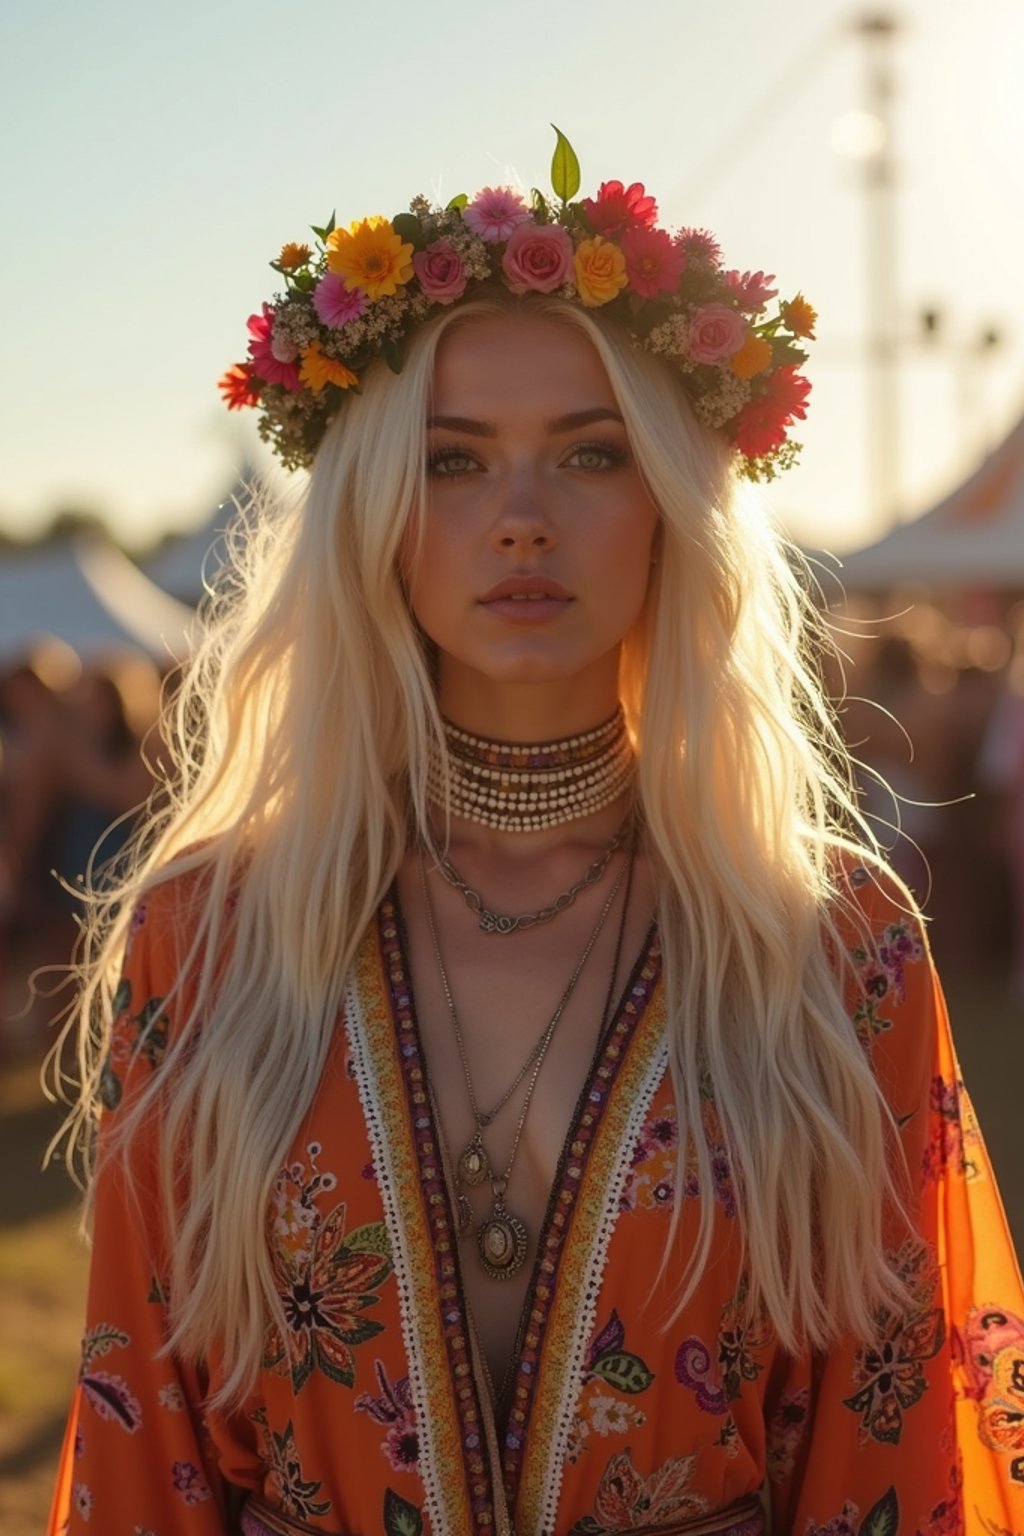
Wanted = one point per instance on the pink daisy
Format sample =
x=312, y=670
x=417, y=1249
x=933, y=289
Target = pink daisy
x=335, y=304
x=495, y=212
x=752, y=289
x=654, y=263
x=261, y=349
x=699, y=247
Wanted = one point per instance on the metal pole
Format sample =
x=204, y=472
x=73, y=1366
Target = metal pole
x=878, y=30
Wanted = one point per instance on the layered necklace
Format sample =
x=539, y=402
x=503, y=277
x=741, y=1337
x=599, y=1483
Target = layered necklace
x=502, y=1236
x=524, y=787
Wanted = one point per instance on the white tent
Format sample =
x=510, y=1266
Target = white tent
x=88, y=594
x=974, y=537
x=182, y=564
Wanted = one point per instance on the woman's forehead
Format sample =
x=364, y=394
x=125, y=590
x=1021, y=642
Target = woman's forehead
x=517, y=358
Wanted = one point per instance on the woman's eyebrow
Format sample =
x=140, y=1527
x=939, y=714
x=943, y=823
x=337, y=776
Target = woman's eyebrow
x=576, y=419
x=567, y=423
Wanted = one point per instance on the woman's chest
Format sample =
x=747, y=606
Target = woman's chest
x=378, y=1362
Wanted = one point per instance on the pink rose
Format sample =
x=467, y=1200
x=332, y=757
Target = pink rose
x=441, y=273
x=538, y=257
x=716, y=331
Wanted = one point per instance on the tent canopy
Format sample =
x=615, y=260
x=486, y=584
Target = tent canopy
x=974, y=537
x=88, y=594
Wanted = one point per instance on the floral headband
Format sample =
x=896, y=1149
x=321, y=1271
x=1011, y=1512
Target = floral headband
x=361, y=291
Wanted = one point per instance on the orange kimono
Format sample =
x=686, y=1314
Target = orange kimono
x=370, y=1417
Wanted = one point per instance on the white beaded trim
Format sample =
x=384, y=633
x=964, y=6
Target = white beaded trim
x=434, y=1503
x=575, y=1359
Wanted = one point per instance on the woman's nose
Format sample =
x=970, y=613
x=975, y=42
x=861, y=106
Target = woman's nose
x=523, y=518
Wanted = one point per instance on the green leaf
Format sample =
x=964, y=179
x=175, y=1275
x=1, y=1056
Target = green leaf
x=625, y=1371
x=392, y=354
x=883, y=1519
x=565, y=168
x=369, y=1239
x=408, y=227
x=460, y=202
x=304, y=281
x=538, y=202
x=328, y=229
x=400, y=1517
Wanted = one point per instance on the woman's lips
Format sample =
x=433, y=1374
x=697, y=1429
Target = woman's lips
x=527, y=598
x=527, y=609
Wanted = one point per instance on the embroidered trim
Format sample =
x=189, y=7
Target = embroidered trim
x=393, y=1095
x=569, y=1274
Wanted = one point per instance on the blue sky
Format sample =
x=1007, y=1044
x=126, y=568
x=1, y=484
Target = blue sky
x=156, y=157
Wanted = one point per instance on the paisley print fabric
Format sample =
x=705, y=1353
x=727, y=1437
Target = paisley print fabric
x=369, y=1416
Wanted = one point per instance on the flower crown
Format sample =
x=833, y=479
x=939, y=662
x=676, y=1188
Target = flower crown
x=362, y=290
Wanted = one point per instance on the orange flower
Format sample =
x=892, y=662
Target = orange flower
x=369, y=255
x=753, y=357
x=239, y=387
x=317, y=370
x=600, y=270
x=293, y=256
x=799, y=316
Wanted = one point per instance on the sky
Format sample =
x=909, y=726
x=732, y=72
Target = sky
x=156, y=157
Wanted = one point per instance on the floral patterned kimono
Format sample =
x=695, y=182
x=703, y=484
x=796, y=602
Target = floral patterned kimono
x=372, y=1417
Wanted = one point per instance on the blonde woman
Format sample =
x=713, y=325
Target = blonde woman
x=527, y=1104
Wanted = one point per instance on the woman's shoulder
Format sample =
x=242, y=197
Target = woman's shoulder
x=174, y=899
x=889, y=978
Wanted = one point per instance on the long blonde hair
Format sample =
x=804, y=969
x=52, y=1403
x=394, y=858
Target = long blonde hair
x=302, y=731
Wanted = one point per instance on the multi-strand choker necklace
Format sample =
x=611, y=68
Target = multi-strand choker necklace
x=522, y=787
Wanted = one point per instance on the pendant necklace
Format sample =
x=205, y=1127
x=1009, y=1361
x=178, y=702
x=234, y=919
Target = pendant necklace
x=502, y=1237
x=502, y=922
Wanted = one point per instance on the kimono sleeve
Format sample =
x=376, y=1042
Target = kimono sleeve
x=921, y=1434
x=137, y=1454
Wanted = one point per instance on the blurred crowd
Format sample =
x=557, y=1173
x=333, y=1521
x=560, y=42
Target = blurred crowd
x=76, y=745
x=932, y=708
x=934, y=715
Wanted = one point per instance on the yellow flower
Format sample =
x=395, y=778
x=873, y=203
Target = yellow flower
x=317, y=370
x=754, y=356
x=600, y=270
x=799, y=316
x=369, y=255
x=293, y=256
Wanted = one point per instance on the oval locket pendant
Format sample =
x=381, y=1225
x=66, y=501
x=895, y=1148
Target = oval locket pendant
x=502, y=1241
x=474, y=1166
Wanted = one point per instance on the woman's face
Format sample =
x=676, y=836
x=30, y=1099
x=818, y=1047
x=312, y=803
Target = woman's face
x=538, y=531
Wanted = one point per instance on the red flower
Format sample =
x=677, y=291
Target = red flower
x=761, y=425
x=654, y=264
x=789, y=390
x=238, y=388
x=759, y=428
x=699, y=247
x=617, y=208
x=261, y=350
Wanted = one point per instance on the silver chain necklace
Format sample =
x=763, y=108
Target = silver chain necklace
x=500, y=922
x=502, y=1237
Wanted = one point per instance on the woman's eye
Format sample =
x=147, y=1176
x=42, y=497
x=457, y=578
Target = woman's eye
x=597, y=456
x=449, y=463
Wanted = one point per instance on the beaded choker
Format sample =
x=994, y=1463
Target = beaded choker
x=526, y=787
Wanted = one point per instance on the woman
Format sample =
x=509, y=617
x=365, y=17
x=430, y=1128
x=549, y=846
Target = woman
x=529, y=1104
